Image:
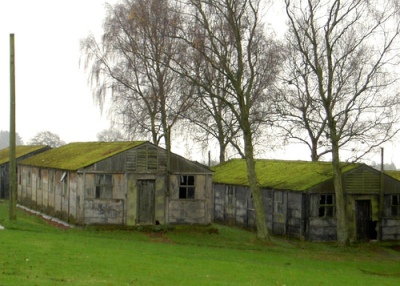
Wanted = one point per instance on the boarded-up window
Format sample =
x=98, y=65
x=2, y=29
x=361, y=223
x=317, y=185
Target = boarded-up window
x=395, y=205
x=186, y=187
x=146, y=158
x=104, y=186
x=326, y=206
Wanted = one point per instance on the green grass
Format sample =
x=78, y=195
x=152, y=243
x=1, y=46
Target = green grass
x=34, y=253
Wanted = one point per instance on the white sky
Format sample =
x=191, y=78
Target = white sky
x=52, y=93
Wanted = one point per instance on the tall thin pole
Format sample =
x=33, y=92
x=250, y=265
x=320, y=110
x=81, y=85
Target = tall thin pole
x=381, y=205
x=12, y=147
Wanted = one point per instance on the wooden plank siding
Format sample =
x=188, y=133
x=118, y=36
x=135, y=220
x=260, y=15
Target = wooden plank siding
x=308, y=210
x=110, y=190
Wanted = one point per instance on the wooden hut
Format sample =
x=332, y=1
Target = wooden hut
x=299, y=199
x=21, y=152
x=123, y=183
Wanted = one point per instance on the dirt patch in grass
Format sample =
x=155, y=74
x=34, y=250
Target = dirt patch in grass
x=159, y=237
x=396, y=247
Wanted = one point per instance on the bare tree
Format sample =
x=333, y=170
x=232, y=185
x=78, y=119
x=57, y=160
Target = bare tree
x=110, y=135
x=47, y=138
x=346, y=50
x=211, y=116
x=131, y=65
x=227, y=41
x=297, y=106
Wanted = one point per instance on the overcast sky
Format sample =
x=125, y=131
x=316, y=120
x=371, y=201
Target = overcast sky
x=52, y=93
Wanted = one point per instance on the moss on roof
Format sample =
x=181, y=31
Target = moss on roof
x=20, y=151
x=277, y=174
x=78, y=155
x=393, y=173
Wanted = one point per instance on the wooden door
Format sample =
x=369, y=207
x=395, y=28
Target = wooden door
x=146, y=196
x=363, y=219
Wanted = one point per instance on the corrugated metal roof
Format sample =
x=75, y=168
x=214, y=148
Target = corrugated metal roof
x=20, y=151
x=278, y=174
x=75, y=156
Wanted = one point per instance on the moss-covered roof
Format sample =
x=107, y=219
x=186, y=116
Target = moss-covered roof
x=20, y=151
x=393, y=173
x=277, y=174
x=75, y=156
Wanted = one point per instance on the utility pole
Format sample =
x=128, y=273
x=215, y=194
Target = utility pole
x=13, y=163
x=381, y=205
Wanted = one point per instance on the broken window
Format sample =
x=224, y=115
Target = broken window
x=395, y=205
x=326, y=206
x=104, y=186
x=186, y=187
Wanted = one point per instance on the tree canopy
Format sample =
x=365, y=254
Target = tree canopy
x=47, y=138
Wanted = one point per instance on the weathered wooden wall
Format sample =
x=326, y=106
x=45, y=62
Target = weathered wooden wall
x=71, y=196
x=390, y=224
x=191, y=211
x=284, y=210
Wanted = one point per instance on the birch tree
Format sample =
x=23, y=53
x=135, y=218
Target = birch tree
x=228, y=39
x=347, y=51
x=129, y=67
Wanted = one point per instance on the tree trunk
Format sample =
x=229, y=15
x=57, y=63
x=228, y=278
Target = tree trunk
x=341, y=228
x=314, y=151
x=222, y=148
x=261, y=219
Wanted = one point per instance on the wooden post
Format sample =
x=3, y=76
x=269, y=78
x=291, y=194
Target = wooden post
x=381, y=204
x=12, y=147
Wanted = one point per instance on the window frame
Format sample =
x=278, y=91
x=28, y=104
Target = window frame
x=326, y=206
x=231, y=195
x=103, y=186
x=187, y=187
x=395, y=205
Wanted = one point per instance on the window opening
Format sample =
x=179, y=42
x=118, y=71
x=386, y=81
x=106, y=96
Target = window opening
x=104, y=186
x=186, y=187
x=395, y=205
x=326, y=206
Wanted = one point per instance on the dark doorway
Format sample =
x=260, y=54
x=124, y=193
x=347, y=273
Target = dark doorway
x=146, y=194
x=365, y=226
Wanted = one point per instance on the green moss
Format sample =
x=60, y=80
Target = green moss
x=278, y=174
x=75, y=156
x=393, y=173
x=19, y=152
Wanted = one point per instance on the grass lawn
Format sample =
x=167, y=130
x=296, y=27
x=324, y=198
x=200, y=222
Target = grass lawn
x=32, y=252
